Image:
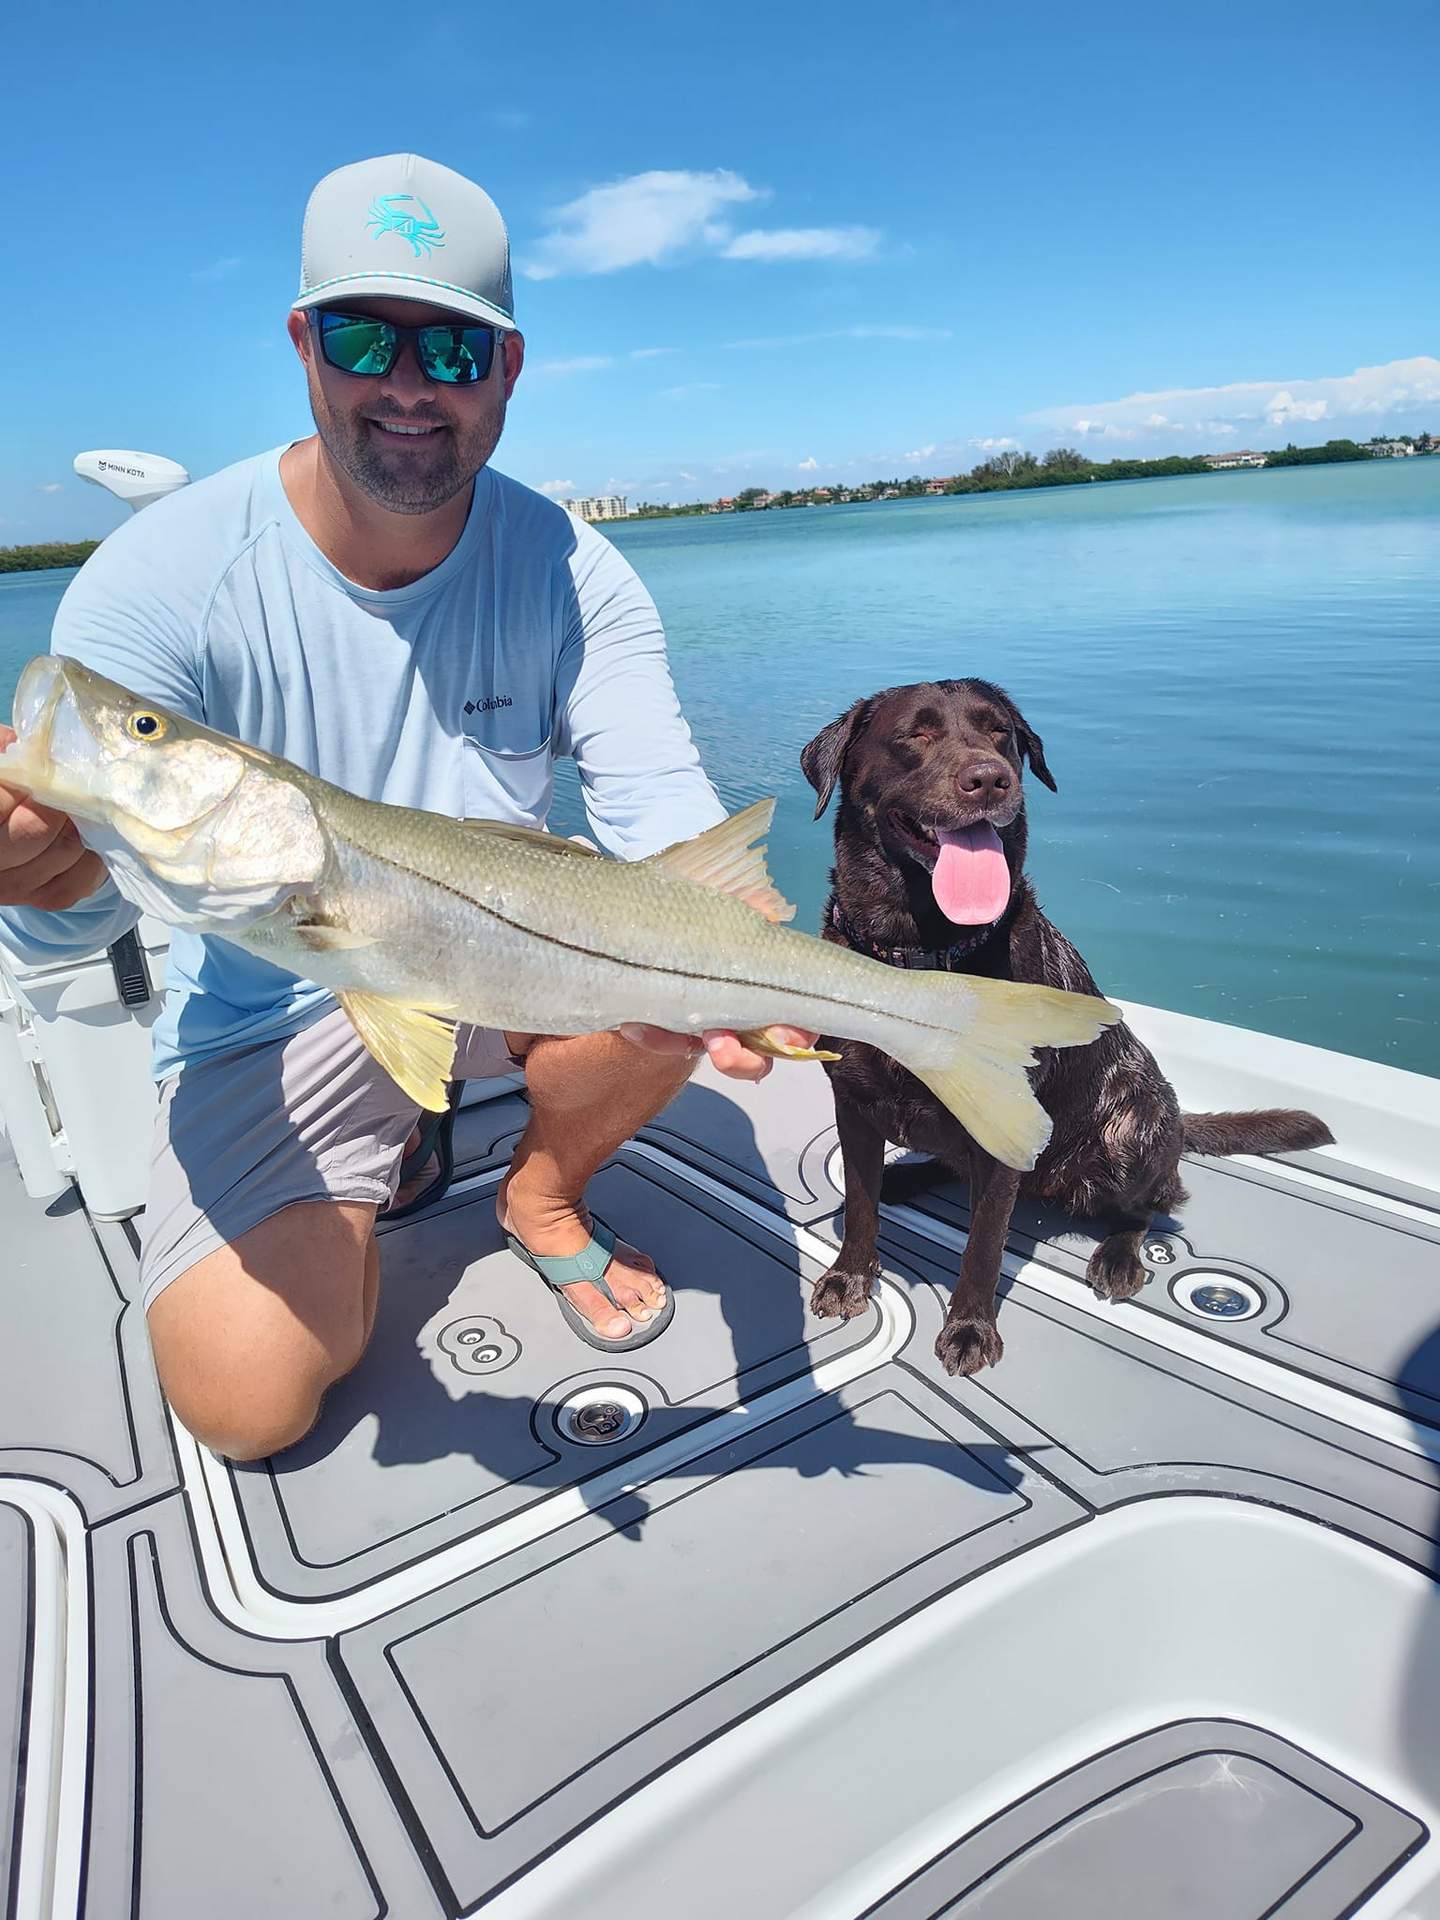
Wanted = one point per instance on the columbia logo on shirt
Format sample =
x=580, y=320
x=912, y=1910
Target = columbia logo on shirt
x=489, y=706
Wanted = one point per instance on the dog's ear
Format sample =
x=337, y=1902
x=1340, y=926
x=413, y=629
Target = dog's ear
x=820, y=760
x=1032, y=748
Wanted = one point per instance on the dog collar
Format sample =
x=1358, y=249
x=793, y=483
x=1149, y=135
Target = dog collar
x=931, y=959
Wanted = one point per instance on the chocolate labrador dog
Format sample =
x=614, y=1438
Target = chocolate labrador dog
x=929, y=872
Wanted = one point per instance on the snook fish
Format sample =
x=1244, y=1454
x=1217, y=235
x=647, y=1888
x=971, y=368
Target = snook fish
x=415, y=921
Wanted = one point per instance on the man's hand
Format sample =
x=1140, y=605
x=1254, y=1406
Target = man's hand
x=43, y=861
x=727, y=1051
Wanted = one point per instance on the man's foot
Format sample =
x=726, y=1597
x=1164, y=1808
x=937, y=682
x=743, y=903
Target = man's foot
x=563, y=1230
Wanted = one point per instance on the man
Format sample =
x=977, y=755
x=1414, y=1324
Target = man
x=380, y=606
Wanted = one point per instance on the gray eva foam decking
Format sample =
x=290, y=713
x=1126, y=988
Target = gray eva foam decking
x=451, y=1638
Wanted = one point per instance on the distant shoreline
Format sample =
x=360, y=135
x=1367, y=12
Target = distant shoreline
x=46, y=556
x=1013, y=472
x=991, y=477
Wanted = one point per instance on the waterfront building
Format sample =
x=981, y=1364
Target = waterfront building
x=1241, y=457
x=600, y=506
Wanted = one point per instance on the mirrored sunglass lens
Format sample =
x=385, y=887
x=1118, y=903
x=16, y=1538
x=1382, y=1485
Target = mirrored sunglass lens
x=356, y=345
x=457, y=355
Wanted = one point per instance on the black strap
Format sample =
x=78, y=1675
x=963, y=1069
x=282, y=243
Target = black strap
x=132, y=976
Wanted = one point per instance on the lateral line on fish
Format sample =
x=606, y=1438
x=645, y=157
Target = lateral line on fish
x=635, y=966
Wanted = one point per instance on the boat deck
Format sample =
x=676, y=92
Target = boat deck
x=771, y=1618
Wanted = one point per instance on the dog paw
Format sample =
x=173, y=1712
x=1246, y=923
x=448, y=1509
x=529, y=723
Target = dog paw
x=1115, y=1275
x=841, y=1296
x=965, y=1346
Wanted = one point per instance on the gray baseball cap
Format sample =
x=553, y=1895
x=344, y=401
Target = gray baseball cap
x=404, y=228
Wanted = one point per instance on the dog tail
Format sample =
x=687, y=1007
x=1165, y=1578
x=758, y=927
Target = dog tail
x=1270, y=1130
x=993, y=1028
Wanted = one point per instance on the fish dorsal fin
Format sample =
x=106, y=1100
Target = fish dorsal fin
x=533, y=837
x=724, y=858
x=414, y=1046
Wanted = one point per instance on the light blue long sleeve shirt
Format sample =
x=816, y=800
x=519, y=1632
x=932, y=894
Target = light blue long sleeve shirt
x=531, y=640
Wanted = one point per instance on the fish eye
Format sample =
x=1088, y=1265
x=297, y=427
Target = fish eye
x=146, y=726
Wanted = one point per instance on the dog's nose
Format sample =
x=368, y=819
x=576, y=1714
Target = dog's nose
x=986, y=780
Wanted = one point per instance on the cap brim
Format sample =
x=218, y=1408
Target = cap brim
x=406, y=286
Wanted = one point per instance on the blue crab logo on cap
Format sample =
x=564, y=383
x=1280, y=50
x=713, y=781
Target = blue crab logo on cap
x=388, y=215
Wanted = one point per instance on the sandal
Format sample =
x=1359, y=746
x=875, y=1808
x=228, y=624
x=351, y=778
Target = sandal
x=437, y=1141
x=564, y=1270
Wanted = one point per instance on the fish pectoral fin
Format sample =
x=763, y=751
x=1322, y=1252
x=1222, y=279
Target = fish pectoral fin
x=759, y=1040
x=724, y=859
x=413, y=1044
x=321, y=939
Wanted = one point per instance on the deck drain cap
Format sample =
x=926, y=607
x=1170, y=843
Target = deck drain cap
x=1218, y=1296
x=598, y=1416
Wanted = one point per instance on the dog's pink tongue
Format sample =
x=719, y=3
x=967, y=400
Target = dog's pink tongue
x=971, y=880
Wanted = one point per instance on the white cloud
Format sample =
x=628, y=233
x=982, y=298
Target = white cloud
x=803, y=243
x=581, y=363
x=556, y=487
x=51, y=486
x=811, y=465
x=647, y=219
x=1283, y=407
x=218, y=269
x=843, y=333
x=1345, y=402
x=919, y=453
x=1101, y=430
x=640, y=220
x=595, y=362
x=688, y=476
x=993, y=444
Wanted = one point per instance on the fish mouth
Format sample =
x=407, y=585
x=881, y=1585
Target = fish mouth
x=41, y=687
x=39, y=693
x=53, y=746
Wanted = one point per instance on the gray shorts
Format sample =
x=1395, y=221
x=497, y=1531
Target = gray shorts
x=309, y=1117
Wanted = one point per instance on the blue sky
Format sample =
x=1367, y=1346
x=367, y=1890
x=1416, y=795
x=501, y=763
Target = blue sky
x=756, y=245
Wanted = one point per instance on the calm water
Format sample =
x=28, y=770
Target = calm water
x=1237, y=678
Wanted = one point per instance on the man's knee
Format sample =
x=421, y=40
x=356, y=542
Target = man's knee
x=247, y=1341
x=250, y=1404
x=253, y=1422
x=599, y=1070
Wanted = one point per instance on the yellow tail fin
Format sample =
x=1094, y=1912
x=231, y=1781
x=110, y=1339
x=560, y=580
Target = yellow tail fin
x=985, y=1082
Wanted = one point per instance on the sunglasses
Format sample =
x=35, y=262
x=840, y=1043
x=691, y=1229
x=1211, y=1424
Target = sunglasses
x=455, y=356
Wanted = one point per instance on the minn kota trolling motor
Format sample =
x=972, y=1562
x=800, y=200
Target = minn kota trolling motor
x=139, y=479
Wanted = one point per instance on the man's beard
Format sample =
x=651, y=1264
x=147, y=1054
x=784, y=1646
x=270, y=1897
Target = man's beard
x=426, y=474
